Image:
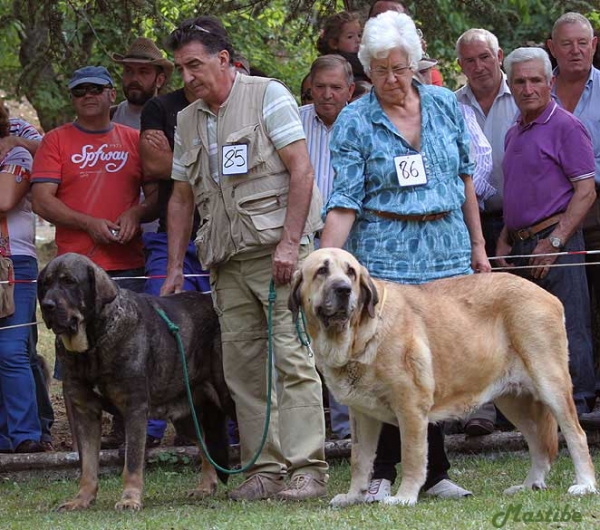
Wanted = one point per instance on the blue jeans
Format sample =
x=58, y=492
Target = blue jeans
x=155, y=246
x=569, y=285
x=18, y=407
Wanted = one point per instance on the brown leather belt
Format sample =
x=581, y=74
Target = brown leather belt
x=528, y=233
x=414, y=218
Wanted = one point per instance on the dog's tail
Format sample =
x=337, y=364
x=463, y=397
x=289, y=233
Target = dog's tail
x=548, y=430
x=214, y=427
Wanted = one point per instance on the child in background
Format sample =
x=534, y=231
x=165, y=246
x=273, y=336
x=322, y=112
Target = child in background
x=341, y=34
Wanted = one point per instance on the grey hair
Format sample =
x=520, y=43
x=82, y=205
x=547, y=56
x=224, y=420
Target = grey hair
x=523, y=55
x=386, y=32
x=330, y=62
x=478, y=35
x=572, y=18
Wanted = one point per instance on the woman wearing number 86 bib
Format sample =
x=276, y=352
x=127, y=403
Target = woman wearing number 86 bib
x=403, y=200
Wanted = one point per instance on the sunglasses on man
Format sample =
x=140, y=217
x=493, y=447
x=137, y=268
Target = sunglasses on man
x=82, y=90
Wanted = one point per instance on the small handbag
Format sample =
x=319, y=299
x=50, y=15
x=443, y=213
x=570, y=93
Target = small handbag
x=7, y=276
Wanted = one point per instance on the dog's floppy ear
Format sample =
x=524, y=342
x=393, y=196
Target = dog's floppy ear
x=368, y=292
x=103, y=288
x=41, y=290
x=294, y=300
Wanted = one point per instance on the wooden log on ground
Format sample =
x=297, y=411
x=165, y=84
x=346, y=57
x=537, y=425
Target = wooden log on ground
x=67, y=463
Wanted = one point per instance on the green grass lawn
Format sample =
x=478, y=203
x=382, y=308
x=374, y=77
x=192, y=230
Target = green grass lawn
x=28, y=505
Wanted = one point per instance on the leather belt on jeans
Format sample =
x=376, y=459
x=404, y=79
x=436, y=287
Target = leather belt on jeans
x=528, y=233
x=414, y=218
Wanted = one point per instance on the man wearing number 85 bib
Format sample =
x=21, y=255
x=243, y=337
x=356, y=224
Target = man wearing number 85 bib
x=240, y=157
x=403, y=200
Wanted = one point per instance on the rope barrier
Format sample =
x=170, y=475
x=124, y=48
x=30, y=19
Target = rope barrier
x=119, y=278
x=306, y=342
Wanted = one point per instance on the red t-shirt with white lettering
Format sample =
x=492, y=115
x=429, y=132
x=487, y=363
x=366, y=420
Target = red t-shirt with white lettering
x=99, y=174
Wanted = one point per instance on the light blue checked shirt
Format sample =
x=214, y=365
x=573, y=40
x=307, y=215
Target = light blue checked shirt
x=588, y=111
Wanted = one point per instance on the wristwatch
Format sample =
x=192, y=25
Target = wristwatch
x=556, y=242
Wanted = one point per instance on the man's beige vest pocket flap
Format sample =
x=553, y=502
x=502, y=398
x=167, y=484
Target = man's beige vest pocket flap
x=190, y=156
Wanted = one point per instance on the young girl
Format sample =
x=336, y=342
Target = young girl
x=341, y=34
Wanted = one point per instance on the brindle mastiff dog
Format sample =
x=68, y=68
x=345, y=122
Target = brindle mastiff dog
x=409, y=355
x=115, y=348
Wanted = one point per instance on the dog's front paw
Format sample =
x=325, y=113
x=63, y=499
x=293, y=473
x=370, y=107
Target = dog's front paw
x=346, y=499
x=393, y=500
x=582, y=489
x=201, y=492
x=129, y=502
x=73, y=505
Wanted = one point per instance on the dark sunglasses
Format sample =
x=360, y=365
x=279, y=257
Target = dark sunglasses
x=82, y=90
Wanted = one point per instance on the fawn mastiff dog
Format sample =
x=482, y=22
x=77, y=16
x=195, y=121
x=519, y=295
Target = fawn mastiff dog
x=409, y=355
x=115, y=348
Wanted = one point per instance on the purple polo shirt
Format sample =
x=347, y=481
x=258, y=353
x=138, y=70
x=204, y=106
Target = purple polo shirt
x=541, y=160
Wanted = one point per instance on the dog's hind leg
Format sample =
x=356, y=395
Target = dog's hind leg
x=565, y=413
x=537, y=424
x=207, y=486
x=365, y=435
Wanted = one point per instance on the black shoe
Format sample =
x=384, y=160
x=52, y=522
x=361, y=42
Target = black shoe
x=479, y=427
x=47, y=445
x=30, y=446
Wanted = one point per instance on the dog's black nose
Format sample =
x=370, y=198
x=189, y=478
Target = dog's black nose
x=48, y=305
x=343, y=290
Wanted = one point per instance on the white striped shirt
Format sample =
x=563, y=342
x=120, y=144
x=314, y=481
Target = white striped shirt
x=317, y=141
x=481, y=153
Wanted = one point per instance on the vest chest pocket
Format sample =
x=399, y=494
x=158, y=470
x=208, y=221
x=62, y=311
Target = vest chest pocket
x=251, y=137
x=189, y=159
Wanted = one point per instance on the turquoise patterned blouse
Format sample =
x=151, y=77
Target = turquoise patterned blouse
x=363, y=147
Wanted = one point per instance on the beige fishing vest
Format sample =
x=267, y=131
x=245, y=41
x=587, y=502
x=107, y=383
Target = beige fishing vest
x=241, y=213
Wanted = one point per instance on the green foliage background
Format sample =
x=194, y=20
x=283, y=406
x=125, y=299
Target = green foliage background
x=43, y=41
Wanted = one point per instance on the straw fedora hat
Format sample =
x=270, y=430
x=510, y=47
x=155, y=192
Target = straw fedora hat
x=144, y=51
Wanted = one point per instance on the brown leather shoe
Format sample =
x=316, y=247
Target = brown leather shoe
x=303, y=486
x=30, y=446
x=258, y=486
x=479, y=427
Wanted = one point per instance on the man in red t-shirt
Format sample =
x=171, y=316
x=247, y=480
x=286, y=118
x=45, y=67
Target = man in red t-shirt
x=87, y=177
x=86, y=180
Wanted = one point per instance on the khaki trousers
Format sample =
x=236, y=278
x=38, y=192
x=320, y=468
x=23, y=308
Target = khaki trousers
x=296, y=436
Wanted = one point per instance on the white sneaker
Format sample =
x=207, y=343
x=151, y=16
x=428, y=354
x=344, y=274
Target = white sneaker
x=446, y=489
x=379, y=489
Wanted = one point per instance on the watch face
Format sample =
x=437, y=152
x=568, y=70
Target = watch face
x=555, y=242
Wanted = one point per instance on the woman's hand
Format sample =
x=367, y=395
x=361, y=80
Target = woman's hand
x=479, y=259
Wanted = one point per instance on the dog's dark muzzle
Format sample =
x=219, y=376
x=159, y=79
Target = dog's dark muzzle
x=57, y=317
x=337, y=304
